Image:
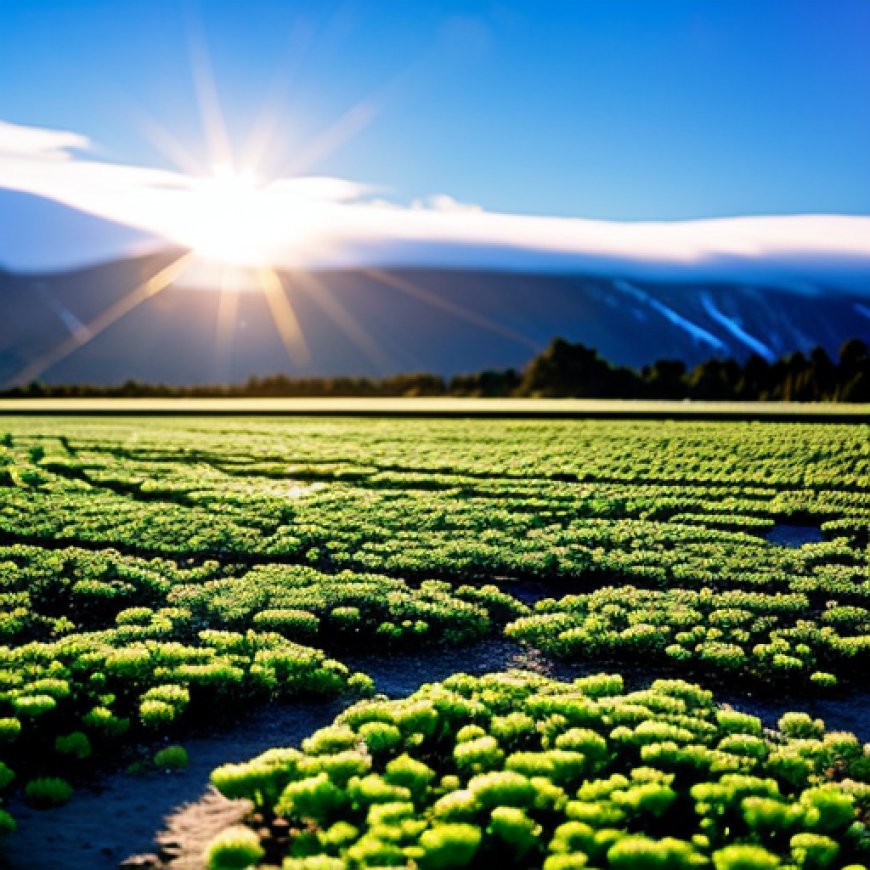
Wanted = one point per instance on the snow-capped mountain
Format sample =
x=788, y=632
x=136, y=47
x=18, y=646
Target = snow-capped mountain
x=380, y=321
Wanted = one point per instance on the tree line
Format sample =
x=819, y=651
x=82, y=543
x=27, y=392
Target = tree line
x=562, y=369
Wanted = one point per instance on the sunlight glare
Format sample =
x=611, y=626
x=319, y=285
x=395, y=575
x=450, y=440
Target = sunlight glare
x=149, y=288
x=227, y=224
x=284, y=317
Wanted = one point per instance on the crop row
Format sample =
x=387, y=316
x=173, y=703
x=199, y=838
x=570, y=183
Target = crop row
x=48, y=594
x=518, y=770
x=434, y=534
x=762, y=454
x=96, y=693
x=131, y=650
x=723, y=635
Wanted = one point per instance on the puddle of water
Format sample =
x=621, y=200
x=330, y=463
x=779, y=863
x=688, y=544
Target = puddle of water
x=120, y=815
x=786, y=535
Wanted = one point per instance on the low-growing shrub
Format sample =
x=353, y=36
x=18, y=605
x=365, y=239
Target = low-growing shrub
x=75, y=744
x=679, y=783
x=105, y=722
x=448, y=845
x=32, y=706
x=292, y=623
x=171, y=758
x=814, y=852
x=157, y=714
x=745, y=857
x=380, y=737
x=236, y=848
x=47, y=792
x=7, y=823
x=313, y=798
x=9, y=729
x=801, y=725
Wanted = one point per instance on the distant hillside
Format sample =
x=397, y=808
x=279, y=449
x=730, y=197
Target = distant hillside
x=444, y=321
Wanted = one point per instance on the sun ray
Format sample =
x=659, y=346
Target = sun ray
x=118, y=309
x=284, y=316
x=167, y=145
x=262, y=138
x=228, y=308
x=345, y=127
x=355, y=119
x=214, y=125
x=411, y=289
x=321, y=294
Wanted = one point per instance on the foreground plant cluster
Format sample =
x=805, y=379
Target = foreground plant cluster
x=518, y=770
x=156, y=574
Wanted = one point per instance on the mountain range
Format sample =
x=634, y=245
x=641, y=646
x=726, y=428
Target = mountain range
x=382, y=321
x=444, y=307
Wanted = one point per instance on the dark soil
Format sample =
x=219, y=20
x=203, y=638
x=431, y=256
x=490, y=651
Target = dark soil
x=787, y=535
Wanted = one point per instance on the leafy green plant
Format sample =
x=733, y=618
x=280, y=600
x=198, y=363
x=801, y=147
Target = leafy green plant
x=171, y=758
x=47, y=792
x=668, y=780
x=75, y=744
x=234, y=849
x=7, y=823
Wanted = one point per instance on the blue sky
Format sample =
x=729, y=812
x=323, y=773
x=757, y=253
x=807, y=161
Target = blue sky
x=612, y=109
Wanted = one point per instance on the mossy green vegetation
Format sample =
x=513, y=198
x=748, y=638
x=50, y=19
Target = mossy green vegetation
x=152, y=571
x=47, y=792
x=171, y=758
x=234, y=849
x=520, y=770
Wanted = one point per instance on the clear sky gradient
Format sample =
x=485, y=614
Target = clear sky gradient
x=613, y=109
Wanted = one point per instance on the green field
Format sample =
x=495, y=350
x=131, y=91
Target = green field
x=156, y=571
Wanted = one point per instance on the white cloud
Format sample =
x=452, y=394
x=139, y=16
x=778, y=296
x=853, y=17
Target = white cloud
x=444, y=202
x=321, y=221
x=19, y=141
x=323, y=188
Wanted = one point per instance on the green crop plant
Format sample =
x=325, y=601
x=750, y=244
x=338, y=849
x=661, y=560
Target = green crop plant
x=235, y=849
x=75, y=744
x=8, y=824
x=47, y=792
x=157, y=573
x=708, y=792
x=171, y=758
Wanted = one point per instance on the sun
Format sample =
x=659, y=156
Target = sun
x=228, y=220
x=235, y=218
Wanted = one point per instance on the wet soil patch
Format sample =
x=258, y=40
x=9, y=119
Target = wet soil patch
x=793, y=535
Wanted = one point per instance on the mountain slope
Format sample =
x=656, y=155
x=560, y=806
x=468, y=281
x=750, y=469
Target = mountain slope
x=367, y=322
x=38, y=234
